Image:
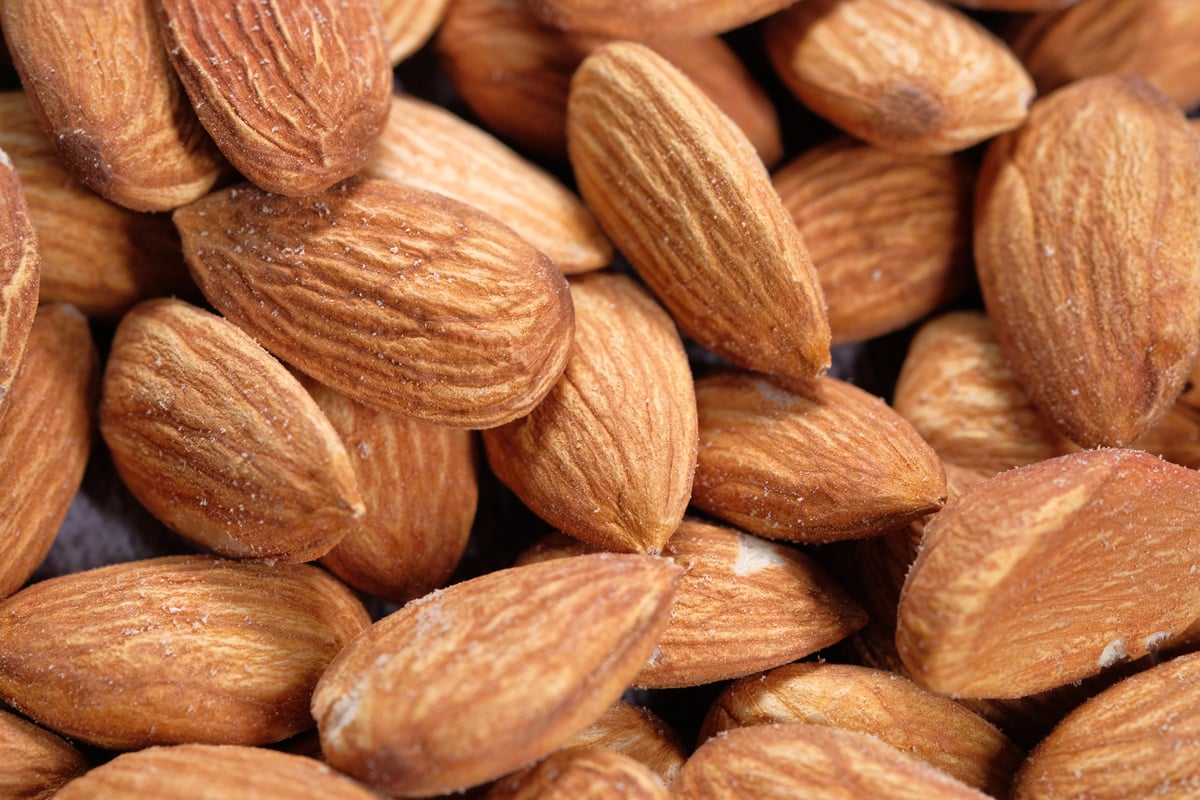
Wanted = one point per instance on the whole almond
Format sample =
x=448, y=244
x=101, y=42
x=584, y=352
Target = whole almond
x=174, y=649
x=683, y=195
x=219, y=441
x=304, y=111
x=579, y=774
x=636, y=732
x=20, y=270
x=908, y=75
x=651, y=19
x=608, y=455
x=36, y=762
x=431, y=698
x=409, y=24
x=1052, y=572
x=1059, y=288
x=401, y=299
x=100, y=84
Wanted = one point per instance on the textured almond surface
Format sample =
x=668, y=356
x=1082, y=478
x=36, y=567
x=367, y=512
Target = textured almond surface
x=20, y=269
x=212, y=772
x=219, y=441
x=36, y=762
x=636, y=732
x=652, y=18
x=820, y=462
x=1049, y=573
x=473, y=682
x=575, y=774
x=608, y=455
x=1098, y=310
x=684, y=196
x=409, y=24
x=910, y=75
x=174, y=649
x=294, y=93
x=401, y=299
x=118, y=115
x=45, y=439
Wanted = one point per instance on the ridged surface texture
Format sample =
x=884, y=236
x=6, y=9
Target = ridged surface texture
x=20, y=272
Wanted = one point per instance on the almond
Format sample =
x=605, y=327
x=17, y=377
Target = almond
x=174, y=649
x=45, y=439
x=20, y=269
x=815, y=462
x=409, y=24
x=401, y=299
x=683, y=195
x=1049, y=573
x=636, y=732
x=473, y=682
x=36, y=762
x=219, y=441
x=652, y=18
x=575, y=773
x=1015, y=5
x=908, y=75
x=304, y=111
x=608, y=455
x=1059, y=288
x=117, y=115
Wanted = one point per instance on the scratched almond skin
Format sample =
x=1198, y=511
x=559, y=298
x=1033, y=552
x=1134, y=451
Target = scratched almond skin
x=20, y=270
x=174, y=649
x=578, y=774
x=1049, y=573
x=36, y=762
x=219, y=441
x=636, y=732
x=683, y=195
x=101, y=87
x=294, y=93
x=473, y=682
x=401, y=299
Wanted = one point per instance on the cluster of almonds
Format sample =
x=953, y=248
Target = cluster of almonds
x=361, y=305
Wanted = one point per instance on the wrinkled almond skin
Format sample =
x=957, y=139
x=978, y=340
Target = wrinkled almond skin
x=36, y=762
x=45, y=439
x=118, y=116
x=174, y=649
x=401, y=299
x=1015, y=5
x=1060, y=289
x=219, y=441
x=913, y=76
x=409, y=24
x=819, y=461
x=636, y=732
x=578, y=774
x=608, y=455
x=304, y=110
x=651, y=19
x=20, y=271
x=684, y=197
x=204, y=771
x=473, y=682
x=1049, y=573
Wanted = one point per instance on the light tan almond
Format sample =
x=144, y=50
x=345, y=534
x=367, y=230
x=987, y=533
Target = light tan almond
x=174, y=649
x=608, y=455
x=219, y=441
x=36, y=762
x=1049, y=573
x=636, y=732
x=409, y=24
x=652, y=19
x=816, y=462
x=891, y=707
x=20, y=270
x=427, y=147
x=294, y=93
x=811, y=761
x=909, y=75
x=683, y=195
x=419, y=485
x=206, y=772
x=889, y=233
x=401, y=299
x=45, y=439
x=473, y=682
x=100, y=84
x=581, y=774
x=1060, y=288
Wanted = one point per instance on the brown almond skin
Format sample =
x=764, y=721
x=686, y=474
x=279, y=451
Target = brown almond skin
x=174, y=649
x=36, y=762
x=219, y=441
x=20, y=270
x=913, y=76
x=608, y=455
x=205, y=772
x=473, y=682
x=636, y=732
x=118, y=117
x=578, y=774
x=1139, y=738
x=651, y=19
x=401, y=299
x=681, y=193
x=45, y=439
x=812, y=761
x=1049, y=573
x=1059, y=288
x=914, y=720
x=409, y=24
x=818, y=461
x=304, y=110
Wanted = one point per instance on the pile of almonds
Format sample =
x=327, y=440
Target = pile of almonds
x=472, y=364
